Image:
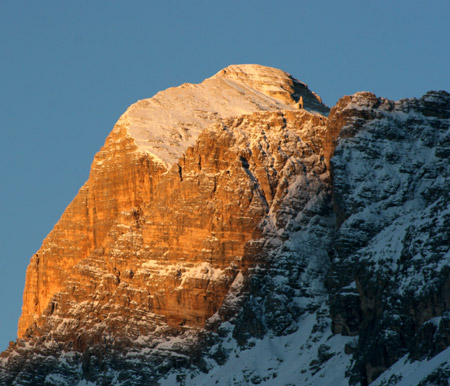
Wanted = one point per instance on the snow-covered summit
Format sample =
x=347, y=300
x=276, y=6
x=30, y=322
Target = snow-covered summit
x=168, y=123
x=272, y=82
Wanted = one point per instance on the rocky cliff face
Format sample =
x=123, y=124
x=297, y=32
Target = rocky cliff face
x=211, y=234
x=389, y=280
x=147, y=140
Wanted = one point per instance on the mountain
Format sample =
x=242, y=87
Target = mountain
x=239, y=232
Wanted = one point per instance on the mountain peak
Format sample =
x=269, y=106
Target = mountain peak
x=169, y=122
x=211, y=232
x=255, y=75
x=274, y=83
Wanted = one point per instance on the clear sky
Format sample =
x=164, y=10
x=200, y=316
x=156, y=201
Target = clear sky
x=69, y=69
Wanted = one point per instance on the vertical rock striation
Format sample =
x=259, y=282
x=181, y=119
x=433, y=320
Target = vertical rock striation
x=121, y=178
x=147, y=140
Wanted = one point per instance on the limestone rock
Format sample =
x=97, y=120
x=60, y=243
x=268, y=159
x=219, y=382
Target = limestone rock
x=121, y=178
x=147, y=140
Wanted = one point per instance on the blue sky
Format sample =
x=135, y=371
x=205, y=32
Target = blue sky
x=69, y=69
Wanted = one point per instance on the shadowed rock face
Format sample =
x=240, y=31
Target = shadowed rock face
x=390, y=277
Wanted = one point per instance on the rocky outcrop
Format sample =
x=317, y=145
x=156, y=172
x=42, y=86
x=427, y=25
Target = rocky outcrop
x=389, y=280
x=275, y=84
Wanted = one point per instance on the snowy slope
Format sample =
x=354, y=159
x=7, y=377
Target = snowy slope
x=310, y=356
x=168, y=123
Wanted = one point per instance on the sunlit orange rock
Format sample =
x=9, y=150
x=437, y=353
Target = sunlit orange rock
x=166, y=223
